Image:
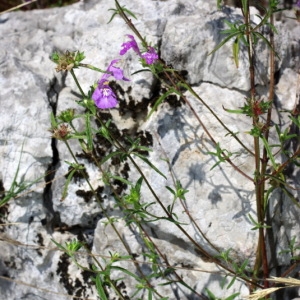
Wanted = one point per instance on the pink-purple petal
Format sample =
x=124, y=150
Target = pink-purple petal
x=104, y=97
x=115, y=71
x=130, y=44
x=150, y=56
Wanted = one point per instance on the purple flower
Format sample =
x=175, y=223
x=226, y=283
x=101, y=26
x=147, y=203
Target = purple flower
x=298, y=4
x=114, y=71
x=103, y=95
x=150, y=56
x=128, y=45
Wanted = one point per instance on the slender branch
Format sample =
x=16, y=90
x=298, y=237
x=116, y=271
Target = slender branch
x=261, y=258
x=179, y=79
x=77, y=83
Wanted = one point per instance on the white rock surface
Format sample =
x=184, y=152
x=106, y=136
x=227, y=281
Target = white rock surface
x=219, y=200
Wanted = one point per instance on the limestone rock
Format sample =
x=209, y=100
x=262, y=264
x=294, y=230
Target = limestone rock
x=219, y=199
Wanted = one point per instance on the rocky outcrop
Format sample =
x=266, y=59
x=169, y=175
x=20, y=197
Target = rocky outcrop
x=219, y=199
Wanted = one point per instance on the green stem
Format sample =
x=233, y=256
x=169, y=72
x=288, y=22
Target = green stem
x=170, y=217
x=88, y=66
x=261, y=258
x=104, y=211
x=129, y=23
x=219, y=120
x=77, y=83
x=181, y=80
x=98, y=200
x=266, y=156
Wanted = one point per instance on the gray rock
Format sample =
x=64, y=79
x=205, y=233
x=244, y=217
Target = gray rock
x=219, y=200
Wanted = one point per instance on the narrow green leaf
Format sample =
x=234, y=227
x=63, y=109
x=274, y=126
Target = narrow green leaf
x=171, y=190
x=232, y=26
x=232, y=296
x=99, y=287
x=252, y=220
x=89, y=132
x=259, y=35
x=113, y=15
x=210, y=294
x=231, y=283
x=17, y=188
x=150, y=294
x=235, y=51
x=61, y=247
x=129, y=12
x=139, y=184
x=291, y=196
x=78, y=135
x=245, y=6
x=53, y=120
x=144, y=148
x=137, y=278
x=149, y=163
x=244, y=264
x=110, y=155
x=233, y=111
x=295, y=120
x=159, y=101
x=224, y=42
x=65, y=189
x=121, y=179
x=270, y=154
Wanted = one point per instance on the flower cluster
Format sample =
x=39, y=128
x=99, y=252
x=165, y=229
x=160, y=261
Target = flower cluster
x=150, y=56
x=255, y=108
x=61, y=132
x=67, y=60
x=103, y=95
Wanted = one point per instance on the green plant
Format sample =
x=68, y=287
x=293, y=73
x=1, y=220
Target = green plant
x=18, y=186
x=136, y=211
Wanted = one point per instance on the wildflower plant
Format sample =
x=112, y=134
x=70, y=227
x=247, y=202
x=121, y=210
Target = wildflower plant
x=148, y=58
x=136, y=212
x=103, y=95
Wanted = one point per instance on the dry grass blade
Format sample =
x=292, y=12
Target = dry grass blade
x=17, y=7
x=262, y=293
x=287, y=281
